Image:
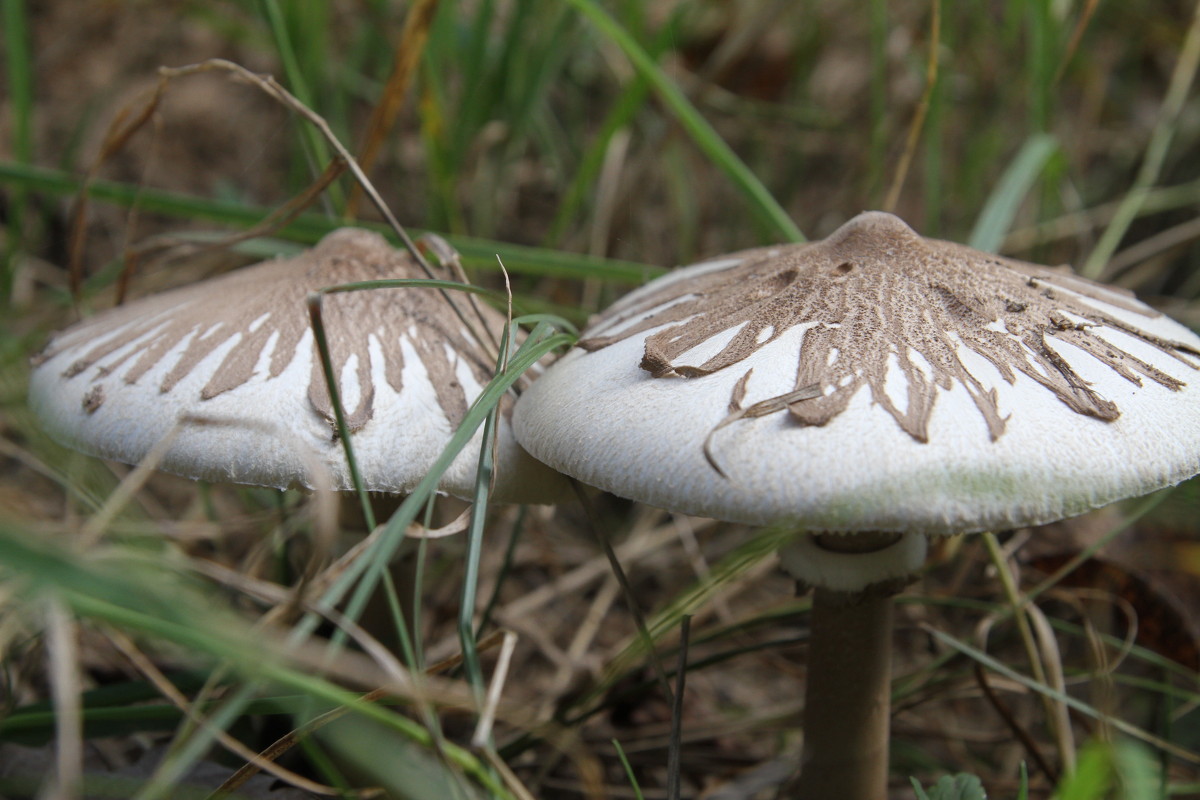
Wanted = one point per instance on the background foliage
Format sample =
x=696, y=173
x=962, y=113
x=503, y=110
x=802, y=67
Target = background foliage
x=589, y=145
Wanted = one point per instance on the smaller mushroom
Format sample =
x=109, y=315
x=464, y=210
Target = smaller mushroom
x=873, y=389
x=240, y=349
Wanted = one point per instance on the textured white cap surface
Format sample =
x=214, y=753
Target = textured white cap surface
x=238, y=353
x=874, y=380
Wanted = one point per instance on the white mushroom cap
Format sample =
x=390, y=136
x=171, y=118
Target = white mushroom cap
x=239, y=350
x=875, y=380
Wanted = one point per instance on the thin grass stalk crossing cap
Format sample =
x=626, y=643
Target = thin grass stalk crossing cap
x=873, y=381
x=239, y=349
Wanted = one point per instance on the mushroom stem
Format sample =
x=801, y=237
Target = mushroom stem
x=847, y=697
x=848, y=692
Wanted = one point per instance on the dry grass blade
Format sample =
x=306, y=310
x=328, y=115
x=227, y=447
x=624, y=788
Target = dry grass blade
x=165, y=247
x=1027, y=741
x=264, y=761
x=459, y=524
x=273, y=89
x=1171, y=238
x=1156, y=151
x=639, y=546
x=168, y=690
x=409, y=48
x=607, y=195
x=918, y=120
x=1051, y=658
x=1023, y=613
x=1083, y=223
x=261, y=760
x=1081, y=25
x=453, y=662
x=130, y=485
x=674, y=751
x=120, y=131
x=998, y=667
x=483, y=730
x=585, y=635
x=289, y=600
x=63, y=655
x=646, y=639
x=125, y=125
x=1100, y=679
x=510, y=779
x=1106, y=665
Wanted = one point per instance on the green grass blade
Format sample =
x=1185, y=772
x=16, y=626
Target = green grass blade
x=132, y=597
x=877, y=152
x=952, y=787
x=762, y=203
x=633, y=782
x=761, y=546
x=332, y=385
x=529, y=320
x=1092, y=777
x=476, y=253
x=1001, y=207
x=1040, y=62
x=298, y=83
x=479, y=506
x=366, y=571
x=506, y=567
x=423, y=492
x=1156, y=152
x=1078, y=705
x=20, y=93
x=631, y=98
x=531, y=78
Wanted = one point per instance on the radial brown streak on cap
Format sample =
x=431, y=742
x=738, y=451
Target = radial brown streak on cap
x=449, y=389
x=318, y=393
x=239, y=364
x=875, y=291
x=263, y=307
x=1126, y=365
x=1065, y=382
x=199, y=348
x=96, y=352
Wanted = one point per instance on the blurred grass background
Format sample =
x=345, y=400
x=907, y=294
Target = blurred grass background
x=590, y=145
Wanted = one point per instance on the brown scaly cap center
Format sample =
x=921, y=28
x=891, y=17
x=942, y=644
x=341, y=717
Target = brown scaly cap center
x=875, y=291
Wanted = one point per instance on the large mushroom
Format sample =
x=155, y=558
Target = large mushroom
x=240, y=349
x=874, y=388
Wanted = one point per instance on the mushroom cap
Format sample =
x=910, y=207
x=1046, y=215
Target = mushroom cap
x=237, y=353
x=874, y=380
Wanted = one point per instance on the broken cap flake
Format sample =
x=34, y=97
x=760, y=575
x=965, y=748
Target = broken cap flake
x=875, y=380
x=238, y=353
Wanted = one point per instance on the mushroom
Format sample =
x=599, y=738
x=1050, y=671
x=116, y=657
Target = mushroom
x=239, y=348
x=873, y=389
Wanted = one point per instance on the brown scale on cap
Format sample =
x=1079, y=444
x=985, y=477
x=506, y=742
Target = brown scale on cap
x=876, y=290
x=268, y=301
